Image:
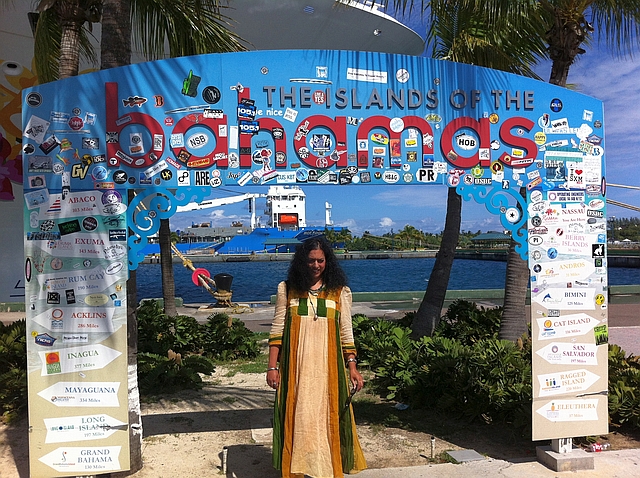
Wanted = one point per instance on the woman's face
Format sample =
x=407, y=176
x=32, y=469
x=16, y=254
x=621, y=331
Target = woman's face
x=316, y=263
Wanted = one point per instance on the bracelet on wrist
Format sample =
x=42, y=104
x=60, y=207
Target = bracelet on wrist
x=352, y=360
x=272, y=368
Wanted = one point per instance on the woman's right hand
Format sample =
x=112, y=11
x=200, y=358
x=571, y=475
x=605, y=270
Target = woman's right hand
x=273, y=378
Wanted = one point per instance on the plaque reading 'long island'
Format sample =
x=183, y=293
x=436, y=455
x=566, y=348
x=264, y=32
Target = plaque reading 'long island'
x=83, y=427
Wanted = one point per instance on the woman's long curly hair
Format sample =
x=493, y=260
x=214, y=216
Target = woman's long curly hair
x=299, y=278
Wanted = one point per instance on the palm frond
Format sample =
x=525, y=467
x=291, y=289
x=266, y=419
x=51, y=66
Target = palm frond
x=47, y=47
x=188, y=28
x=499, y=37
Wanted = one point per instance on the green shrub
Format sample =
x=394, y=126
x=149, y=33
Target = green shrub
x=13, y=370
x=464, y=369
x=468, y=323
x=171, y=373
x=159, y=333
x=223, y=342
x=624, y=386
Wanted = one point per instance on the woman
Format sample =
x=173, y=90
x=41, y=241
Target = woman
x=312, y=364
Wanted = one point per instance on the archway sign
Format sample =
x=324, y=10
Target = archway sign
x=175, y=129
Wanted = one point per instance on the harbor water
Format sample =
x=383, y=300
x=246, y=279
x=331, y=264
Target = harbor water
x=257, y=281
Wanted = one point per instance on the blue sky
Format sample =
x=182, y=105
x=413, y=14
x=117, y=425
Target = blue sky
x=378, y=209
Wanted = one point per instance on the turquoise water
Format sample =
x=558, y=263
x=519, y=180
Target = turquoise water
x=257, y=281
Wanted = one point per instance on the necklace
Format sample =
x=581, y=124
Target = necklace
x=315, y=311
x=314, y=292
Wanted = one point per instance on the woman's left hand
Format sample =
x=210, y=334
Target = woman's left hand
x=356, y=379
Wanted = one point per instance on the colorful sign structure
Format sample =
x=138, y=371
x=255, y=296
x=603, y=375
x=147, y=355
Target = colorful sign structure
x=174, y=130
x=75, y=274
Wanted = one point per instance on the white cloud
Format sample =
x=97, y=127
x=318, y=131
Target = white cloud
x=386, y=222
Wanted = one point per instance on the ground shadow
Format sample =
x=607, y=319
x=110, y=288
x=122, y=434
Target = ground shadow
x=16, y=439
x=202, y=421
x=500, y=441
x=249, y=461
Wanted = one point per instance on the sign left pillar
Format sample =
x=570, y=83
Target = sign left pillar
x=76, y=306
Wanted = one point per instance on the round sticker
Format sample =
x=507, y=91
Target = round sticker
x=34, y=99
x=552, y=253
x=302, y=174
x=99, y=173
x=111, y=196
x=56, y=264
x=477, y=172
x=512, y=215
x=556, y=105
x=402, y=75
x=396, y=124
x=76, y=123
x=90, y=223
x=211, y=95
x=120, y=177
x=599, y=299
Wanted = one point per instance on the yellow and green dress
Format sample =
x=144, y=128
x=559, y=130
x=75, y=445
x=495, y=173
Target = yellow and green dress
x=314, y=433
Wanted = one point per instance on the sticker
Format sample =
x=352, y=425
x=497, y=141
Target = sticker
x=402, y=75
x=556, y=105
x=69, y=227
x=211, y=94
x=132, y=101
x=36, y=128
x=190, y=85
x=111, y=197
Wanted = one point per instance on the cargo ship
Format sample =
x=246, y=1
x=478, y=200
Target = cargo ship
x=286, y=226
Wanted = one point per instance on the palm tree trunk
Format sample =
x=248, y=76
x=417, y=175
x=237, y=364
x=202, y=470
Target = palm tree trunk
x=71, y=19
x=116, y=33
x=514, y=321
x=166, y=264
x=430, y=310
x=116, y=51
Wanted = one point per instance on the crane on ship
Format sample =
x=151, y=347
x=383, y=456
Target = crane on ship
x=209, y=203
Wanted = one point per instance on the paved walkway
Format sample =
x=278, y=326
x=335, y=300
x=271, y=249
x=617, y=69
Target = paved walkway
x=609, y=464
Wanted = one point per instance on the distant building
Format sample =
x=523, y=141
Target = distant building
x=492, y=239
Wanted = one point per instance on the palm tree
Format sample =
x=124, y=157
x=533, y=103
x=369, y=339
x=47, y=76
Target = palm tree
x=571, y=24
x=497, y=34
x=430, y=310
